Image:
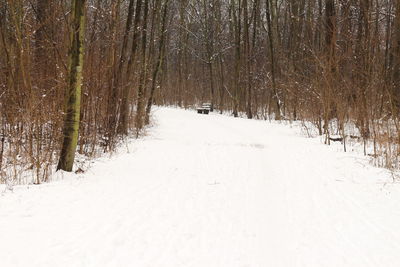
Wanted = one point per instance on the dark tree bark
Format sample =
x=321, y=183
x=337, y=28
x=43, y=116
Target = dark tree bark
x=73, y=91
x=396, y=61
x=114, y=103
x=272, y=41
x=159, y=62
x=143, y=73
x=124, y=110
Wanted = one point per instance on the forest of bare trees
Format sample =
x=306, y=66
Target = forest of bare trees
x=83, y=74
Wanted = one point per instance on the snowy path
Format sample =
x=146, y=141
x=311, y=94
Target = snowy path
x=209, y=191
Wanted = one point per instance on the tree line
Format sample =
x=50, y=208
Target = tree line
x=83, y=74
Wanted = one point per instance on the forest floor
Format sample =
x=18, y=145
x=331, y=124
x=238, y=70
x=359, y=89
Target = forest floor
x=209, y=191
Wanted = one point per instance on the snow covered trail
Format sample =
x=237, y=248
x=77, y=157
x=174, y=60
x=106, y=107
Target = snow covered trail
x=209, y=191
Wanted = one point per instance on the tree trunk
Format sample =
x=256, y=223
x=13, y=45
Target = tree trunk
x=396, y=61
x=247, y=58
x=143, y=74
x=236, y=27
x=118, y=77
x=272, y=41
x=113, y=75
x=73, y=91
x=158, y=63
x=124, y=111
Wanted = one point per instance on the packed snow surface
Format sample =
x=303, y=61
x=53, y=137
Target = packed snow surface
x=209, y=191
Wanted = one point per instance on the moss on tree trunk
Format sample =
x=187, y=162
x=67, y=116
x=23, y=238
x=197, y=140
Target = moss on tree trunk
x=73, y=91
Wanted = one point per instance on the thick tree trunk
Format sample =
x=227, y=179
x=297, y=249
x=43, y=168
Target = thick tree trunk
x=113, y=103
x=247, y=58
x=181, y=50
x=330, y=20
x=113, y=75
x=236, y=28
x=141, y=94
x=73, y=91
x=396, y=61
x=363, y=56
x=158, y=63
x=42, y=8
x=330, y=42
x=124, y=110
x=272, y=41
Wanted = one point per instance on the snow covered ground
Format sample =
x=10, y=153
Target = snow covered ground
x=209, y=191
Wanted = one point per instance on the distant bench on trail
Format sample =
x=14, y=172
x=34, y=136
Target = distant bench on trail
x=205, y=108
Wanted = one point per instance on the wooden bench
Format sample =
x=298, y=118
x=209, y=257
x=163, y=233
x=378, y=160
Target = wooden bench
x=205, y=108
